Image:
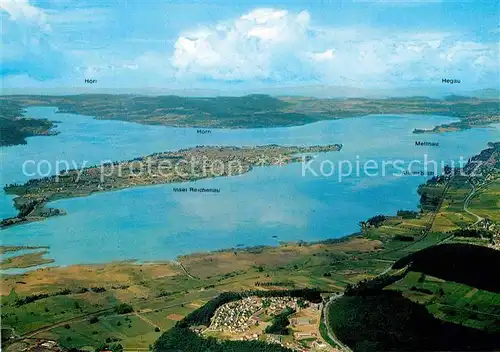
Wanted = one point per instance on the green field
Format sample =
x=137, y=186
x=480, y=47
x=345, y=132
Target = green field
x=487, y=202
x=460, y=303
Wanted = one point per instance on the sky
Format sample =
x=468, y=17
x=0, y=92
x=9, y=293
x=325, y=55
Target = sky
x=241, y=44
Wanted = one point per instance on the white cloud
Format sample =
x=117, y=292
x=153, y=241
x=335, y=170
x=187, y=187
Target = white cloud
x=247, y=48
x=22, y=10
x=261, y=47
x=278, y=45
x=37, y=42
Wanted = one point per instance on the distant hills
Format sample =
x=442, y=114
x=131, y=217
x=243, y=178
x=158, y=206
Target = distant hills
x=316, y=91
x=488, y=93
x=249, y=111
x=328, y=91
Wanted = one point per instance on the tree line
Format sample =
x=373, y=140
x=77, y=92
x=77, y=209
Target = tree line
x=280, y=323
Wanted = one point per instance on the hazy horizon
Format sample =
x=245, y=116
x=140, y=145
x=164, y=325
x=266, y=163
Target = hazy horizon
x=314, y=91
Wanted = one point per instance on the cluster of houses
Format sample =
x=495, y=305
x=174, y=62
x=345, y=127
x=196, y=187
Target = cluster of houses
x=243, y=319
x=238, y=317
x=235, y=316
x=494, y=228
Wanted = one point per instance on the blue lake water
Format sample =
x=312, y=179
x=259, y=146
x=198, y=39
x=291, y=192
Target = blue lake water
x=155, y=223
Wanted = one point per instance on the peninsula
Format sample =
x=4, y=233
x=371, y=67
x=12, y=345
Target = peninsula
x=15, y=128
x=259, y=110
x=160, y=168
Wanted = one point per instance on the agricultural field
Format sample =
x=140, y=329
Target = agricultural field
x=487, y=201
x=161, y=293
x=452, y=301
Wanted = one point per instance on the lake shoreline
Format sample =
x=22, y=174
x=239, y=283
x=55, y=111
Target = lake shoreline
x=426, y=208
x=178, y=243
x=259, y=110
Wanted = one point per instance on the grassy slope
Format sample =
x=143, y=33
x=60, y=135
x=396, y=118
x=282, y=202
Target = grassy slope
x=460, y=303
x=387, y=321
x=459, y=262
x=487, y=202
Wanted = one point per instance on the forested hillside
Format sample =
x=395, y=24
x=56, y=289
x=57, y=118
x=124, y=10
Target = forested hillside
x=476, y=266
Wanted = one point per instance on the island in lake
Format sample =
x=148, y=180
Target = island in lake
x=160, y=168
